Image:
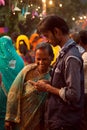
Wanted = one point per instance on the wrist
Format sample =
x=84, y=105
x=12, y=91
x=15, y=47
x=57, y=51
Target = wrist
x=53, y=90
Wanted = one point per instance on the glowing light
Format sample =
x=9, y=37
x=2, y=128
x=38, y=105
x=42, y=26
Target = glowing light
x=73, y=18
x=38, y=7
x=28, y=5
x=81, y=17
x=41, y=18
x=44, y=1
x=21, y=1
x=84, y=17
x=40, y=15
x=31, y=4
x=13, y=13
x=60, y=5
x=50, y=2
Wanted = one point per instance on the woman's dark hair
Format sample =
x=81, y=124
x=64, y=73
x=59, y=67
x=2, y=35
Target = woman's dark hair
x=75, y=37
x=45, y=45
x=50, y=22
x=83, y=36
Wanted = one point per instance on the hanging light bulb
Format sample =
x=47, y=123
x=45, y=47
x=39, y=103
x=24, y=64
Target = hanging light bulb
x=50, y=2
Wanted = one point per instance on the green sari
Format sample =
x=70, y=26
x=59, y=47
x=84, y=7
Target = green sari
x=25, y=105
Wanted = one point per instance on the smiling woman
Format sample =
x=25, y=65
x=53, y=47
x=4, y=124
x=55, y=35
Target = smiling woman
x=25, y=105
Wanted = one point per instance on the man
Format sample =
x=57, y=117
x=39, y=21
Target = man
x=64, y=106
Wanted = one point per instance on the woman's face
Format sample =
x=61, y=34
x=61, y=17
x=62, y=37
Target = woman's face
x=43, y=60
x=23, y=49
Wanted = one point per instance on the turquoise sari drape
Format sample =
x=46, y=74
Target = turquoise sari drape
x=10, y=65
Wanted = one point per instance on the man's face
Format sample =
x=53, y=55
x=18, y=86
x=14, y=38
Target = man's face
x=53, y=38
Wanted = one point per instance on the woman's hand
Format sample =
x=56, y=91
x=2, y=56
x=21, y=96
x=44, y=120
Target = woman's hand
x=43, y=86
x=40, y=85
x=8, y=125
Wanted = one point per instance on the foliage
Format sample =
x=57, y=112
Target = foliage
x=69, y=9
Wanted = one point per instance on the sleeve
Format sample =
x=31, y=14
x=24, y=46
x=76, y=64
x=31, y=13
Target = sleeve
x=72, y=91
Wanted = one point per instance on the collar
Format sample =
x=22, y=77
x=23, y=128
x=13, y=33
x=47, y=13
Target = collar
x=69, y=43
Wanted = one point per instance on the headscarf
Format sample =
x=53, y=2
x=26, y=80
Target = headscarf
x=20, y=40
x=56, y=51
x=10, y=62
x=35, y=39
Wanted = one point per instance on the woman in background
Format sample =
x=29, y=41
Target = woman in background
x=23, y=49
x=10, y=65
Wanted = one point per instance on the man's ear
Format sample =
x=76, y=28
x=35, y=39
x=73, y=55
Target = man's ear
x=57, y=31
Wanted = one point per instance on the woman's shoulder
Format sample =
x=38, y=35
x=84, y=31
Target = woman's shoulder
x=29, y=67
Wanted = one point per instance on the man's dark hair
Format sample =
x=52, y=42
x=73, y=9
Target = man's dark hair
x=50, y=22
x=45, y=45
x=83, y=36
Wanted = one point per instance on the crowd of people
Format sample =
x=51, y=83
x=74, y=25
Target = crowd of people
x=43, y=78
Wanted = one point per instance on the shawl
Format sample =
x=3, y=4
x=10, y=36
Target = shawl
x=10, y=62
x=24, y=104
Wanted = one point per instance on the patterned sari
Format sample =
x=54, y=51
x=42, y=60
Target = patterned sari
x=25, y=105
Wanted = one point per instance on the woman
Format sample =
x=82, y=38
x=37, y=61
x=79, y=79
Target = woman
x=23, y=49
x=10, y=65
x=35, y=39
x=25, y=103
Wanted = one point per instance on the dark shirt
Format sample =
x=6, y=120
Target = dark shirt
x=67, y=108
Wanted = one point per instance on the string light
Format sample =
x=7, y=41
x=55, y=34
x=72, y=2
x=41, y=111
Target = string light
x=50, y=2
x=84, y=17
x=44, y=1
x=80, y=17
x=73, y=18
x=21, y=1
x=31, y=5
x=60, y=5
x=38, y=7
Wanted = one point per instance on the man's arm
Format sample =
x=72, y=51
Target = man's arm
x=72, y=91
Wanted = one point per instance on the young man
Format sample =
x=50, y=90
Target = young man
x=64, y=106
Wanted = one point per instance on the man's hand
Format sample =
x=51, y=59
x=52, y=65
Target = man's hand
x=41, y=85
